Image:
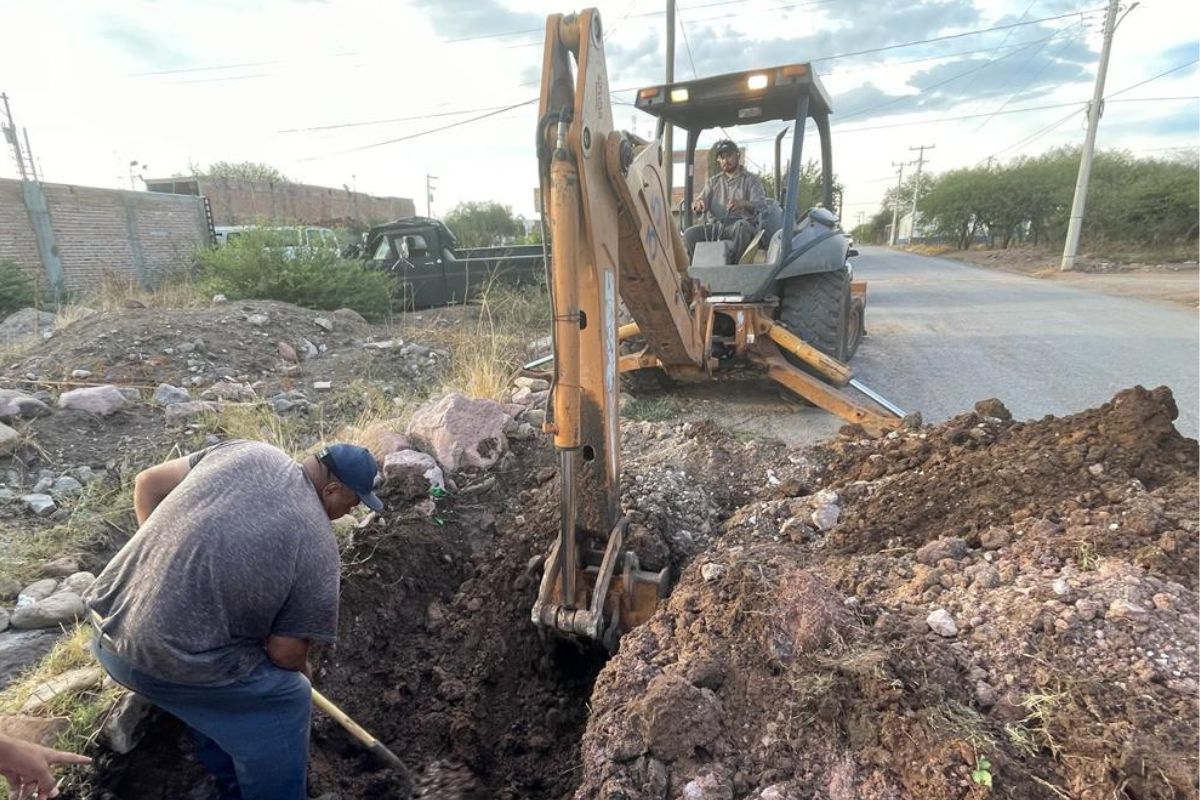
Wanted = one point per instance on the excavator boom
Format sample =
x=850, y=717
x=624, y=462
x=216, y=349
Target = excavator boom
x=614, y=241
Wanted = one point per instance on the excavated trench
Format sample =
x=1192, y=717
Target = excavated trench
x=437, y=656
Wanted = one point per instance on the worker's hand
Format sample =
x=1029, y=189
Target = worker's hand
x=736, y=205
x=698, y=206
x=26, y=766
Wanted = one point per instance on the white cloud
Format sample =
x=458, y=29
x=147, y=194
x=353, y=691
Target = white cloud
x=256, y=69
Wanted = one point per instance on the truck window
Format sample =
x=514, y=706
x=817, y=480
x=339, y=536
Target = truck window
x=416, y=245
x=383, y=251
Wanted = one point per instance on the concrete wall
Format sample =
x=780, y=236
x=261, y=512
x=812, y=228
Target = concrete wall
x=244, y=202
x=138, y=236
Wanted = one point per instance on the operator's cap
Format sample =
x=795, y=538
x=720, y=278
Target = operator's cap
x=725, y=146
x=355, y=467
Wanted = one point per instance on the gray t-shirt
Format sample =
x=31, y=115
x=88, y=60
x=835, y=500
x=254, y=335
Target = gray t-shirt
x=241, y=549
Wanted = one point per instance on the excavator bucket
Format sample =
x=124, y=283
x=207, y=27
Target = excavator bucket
x=612, y=594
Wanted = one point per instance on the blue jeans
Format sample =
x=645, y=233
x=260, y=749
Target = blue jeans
x=252, y=734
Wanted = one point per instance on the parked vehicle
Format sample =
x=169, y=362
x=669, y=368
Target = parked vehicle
x=424, y=255
x=289, y=237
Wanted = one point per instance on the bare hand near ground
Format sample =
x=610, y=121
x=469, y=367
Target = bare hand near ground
x=26, y=766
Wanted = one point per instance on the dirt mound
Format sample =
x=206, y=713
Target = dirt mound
x=1000, y=608
x=199, y=346
x=1114, y=479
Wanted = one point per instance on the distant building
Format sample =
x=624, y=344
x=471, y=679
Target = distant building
x=236, y=201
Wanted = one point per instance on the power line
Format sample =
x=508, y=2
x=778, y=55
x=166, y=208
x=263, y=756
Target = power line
x=1031, y=78
x=1156, y=77
x=951, y=79
x=364, y=123
x=419, y=133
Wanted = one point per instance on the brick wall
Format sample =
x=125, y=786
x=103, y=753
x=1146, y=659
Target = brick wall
x=243, y=202
x=135, y=235
x=17, y=242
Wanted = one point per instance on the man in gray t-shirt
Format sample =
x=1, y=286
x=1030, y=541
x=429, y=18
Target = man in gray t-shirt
x=209, y=610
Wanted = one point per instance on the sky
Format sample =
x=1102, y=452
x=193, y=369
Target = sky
x=323, y=90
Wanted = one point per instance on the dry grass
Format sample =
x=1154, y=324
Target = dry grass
x=486, y=353
x=118, y=292
x=85, y=710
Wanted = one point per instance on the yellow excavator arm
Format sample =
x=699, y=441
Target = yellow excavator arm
x=614, y=241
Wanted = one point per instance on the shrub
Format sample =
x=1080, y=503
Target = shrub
x=16, y=289
x=252, y=268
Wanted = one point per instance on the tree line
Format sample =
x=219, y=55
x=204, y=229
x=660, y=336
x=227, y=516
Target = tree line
x=1134, y=203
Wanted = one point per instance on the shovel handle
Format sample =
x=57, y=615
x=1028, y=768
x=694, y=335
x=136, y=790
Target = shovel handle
x=357, y=731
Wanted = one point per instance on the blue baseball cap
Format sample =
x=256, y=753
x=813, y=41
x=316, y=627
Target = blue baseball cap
x=355, y=467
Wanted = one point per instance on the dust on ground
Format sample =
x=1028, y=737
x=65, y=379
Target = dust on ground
x=1168, y=281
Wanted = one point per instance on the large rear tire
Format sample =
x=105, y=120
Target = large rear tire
x=817, y=308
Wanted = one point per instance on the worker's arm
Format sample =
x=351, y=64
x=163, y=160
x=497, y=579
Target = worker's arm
x=151, y=486
x=288, y=652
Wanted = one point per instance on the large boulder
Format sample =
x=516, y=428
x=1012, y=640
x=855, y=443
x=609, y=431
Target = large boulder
x=26, y=323
x=411, y=474
x=461, y=431
x=15, y=404
x=21, y=649
x=101, y=400
x=62, y=608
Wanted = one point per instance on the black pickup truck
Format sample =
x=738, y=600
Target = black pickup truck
x=424, y=255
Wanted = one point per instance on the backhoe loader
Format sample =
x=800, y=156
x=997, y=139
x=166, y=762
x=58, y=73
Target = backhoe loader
x=614, y=241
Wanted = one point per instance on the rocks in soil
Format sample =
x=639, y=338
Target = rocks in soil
x=58, y=609
x=461, y=432
x=181, y=412
x=100, y=400
x=20, y=649
x=20, y=405
x=56, y=568
x=26, y=323
x=9, y=439
x=1057, y=591
x=942, y=623
x=166, y=395
x=40, y=504
x=410, y=474
x=126, y=723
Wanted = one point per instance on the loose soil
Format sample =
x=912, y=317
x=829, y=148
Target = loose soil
x=794, y=658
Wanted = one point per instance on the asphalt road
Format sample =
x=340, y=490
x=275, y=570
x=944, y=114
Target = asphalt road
x=943, y=334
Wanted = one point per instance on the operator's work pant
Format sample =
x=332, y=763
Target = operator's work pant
x=738, y=231
x=252, y=734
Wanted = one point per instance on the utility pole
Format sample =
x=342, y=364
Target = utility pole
x=668, y=130
x=1071, y=248
x=912, y=231
x=10, y=133
x=896, y=201
x=29, y=154
x=429, y=187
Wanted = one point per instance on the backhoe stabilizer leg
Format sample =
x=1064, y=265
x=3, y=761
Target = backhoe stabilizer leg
x=822, y=395
x=834, y=371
